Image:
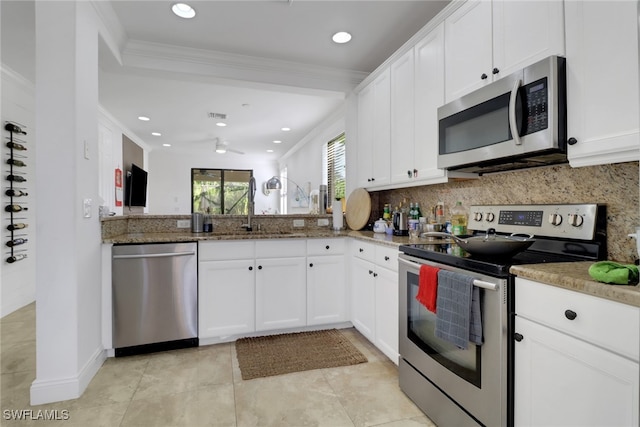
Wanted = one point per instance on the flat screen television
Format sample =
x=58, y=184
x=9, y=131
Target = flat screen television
x=135, y=190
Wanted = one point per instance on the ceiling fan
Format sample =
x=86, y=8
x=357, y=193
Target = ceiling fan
x=222, y=147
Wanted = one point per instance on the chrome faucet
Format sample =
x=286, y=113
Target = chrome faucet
x=252, y=199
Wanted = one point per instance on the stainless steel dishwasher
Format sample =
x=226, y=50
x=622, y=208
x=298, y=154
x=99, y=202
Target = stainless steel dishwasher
x=155, y=297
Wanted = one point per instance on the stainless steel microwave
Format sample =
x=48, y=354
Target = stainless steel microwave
x=516, y=122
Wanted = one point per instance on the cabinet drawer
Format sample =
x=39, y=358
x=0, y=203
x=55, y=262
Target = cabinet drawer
x=280, y=248
x=608, y=324
x=387, y=257
x=326, y=246
x=362, y=250
x=225, y=250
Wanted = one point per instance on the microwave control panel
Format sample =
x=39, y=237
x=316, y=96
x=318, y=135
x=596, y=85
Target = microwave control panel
x=536, y=98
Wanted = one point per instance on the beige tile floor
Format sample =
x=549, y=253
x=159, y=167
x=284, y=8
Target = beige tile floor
x=203, y=387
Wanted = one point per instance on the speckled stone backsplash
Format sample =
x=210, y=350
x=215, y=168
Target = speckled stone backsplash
x=615, y=186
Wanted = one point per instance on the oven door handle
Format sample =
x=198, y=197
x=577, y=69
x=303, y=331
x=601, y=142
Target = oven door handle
x=476, y=282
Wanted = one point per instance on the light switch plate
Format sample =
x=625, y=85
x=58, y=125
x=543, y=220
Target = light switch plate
x=298, y=222
x=86, y=206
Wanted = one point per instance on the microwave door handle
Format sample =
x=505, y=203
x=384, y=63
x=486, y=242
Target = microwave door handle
x=513, y=123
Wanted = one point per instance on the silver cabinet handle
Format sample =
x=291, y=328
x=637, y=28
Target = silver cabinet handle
x=512, y=113
x=159, y=255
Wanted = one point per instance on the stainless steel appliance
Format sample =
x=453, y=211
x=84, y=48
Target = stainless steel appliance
x=516, y=122
x=400, y=224
x=155, y=297
x=474, y=386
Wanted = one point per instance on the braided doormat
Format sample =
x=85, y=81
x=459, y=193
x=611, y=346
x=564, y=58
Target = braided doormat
x=285, y=353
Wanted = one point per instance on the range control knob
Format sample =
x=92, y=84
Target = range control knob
x=576, y=220
x=477, y=216
x=489, y=216
x=555, y=219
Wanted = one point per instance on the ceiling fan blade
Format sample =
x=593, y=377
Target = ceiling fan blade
x=234, y=151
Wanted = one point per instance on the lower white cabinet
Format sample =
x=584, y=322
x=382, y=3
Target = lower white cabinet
x=226, y=298
x=248, y=286
x=281, y=293
x=374, y=295
x=571, y=367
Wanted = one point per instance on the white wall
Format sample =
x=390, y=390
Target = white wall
x=304, y=162
x=170, y=179
x=110, y=133
x=18, y=280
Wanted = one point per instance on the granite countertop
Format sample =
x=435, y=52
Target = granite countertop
x=575, y=276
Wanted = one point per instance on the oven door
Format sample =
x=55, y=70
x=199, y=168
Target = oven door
x=474, y=379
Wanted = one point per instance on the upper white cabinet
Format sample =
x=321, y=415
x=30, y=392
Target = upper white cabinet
x=602, y=81
x=374, y=132
x=417, y=90
x=487, y=40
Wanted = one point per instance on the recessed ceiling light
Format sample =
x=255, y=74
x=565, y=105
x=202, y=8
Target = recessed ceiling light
x=285, y=129
x=221, y=124
x=341, y=37
x=269, y=151
x=144, y=118
x=166, y=145
x=156, y=134
x=277, y=142
x=183, y=10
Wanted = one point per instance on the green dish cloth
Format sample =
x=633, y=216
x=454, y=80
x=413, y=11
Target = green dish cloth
x=614, y=273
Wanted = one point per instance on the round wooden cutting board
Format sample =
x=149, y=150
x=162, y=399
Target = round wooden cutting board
x=358, y=209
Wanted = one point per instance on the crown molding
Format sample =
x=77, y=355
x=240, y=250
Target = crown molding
x=215, y=64
x=110, y=28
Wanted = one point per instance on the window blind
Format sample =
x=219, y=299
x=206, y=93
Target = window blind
x=336, y=168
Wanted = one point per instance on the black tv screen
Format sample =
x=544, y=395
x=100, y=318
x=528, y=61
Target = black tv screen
x=135, y=191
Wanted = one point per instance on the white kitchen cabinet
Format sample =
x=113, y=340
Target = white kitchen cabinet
x=326, y=282
x=487, y=40
x=363, y=294
x=226, y=289
x=226, y=298
x=603, y=114
x=374, y=296
x=374, y=132
x=583, y=371
x=428, y=96
x=402, y=119
x=281, y=287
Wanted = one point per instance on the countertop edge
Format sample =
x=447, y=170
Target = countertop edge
x=574, y=276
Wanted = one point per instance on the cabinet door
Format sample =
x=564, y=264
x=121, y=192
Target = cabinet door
x=560, y=380
x=382, y=130
x=226, y=295
x=525, y=32
x=429, y=95
x=363, y=303
x=386, y=312
x=602, y=81
x=468, y=34
x=366, y=100
x=326, y=290
x=281, y=297
x=402, y=118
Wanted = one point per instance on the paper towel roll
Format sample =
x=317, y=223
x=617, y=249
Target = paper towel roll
x=338, y=217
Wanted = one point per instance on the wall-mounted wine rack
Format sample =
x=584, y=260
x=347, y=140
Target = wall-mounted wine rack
x=16, y=191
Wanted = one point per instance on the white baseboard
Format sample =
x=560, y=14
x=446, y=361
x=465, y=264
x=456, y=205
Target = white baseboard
x=59, y=389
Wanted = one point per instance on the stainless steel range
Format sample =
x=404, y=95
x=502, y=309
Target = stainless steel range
x=473, y=386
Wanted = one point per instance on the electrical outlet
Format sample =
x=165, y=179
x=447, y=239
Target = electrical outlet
x=86, y=207
x=183, y=223
x=323, y=222
x=298, y=222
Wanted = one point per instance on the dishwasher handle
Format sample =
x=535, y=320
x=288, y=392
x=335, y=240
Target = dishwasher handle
x=158, y=255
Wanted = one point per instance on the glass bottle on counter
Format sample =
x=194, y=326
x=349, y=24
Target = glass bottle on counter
x=458, y=220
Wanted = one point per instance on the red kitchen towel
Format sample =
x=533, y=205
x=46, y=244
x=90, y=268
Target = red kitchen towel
x=428, y=287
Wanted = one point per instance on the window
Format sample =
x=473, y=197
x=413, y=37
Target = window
x=220, y=191
x=336, y=168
